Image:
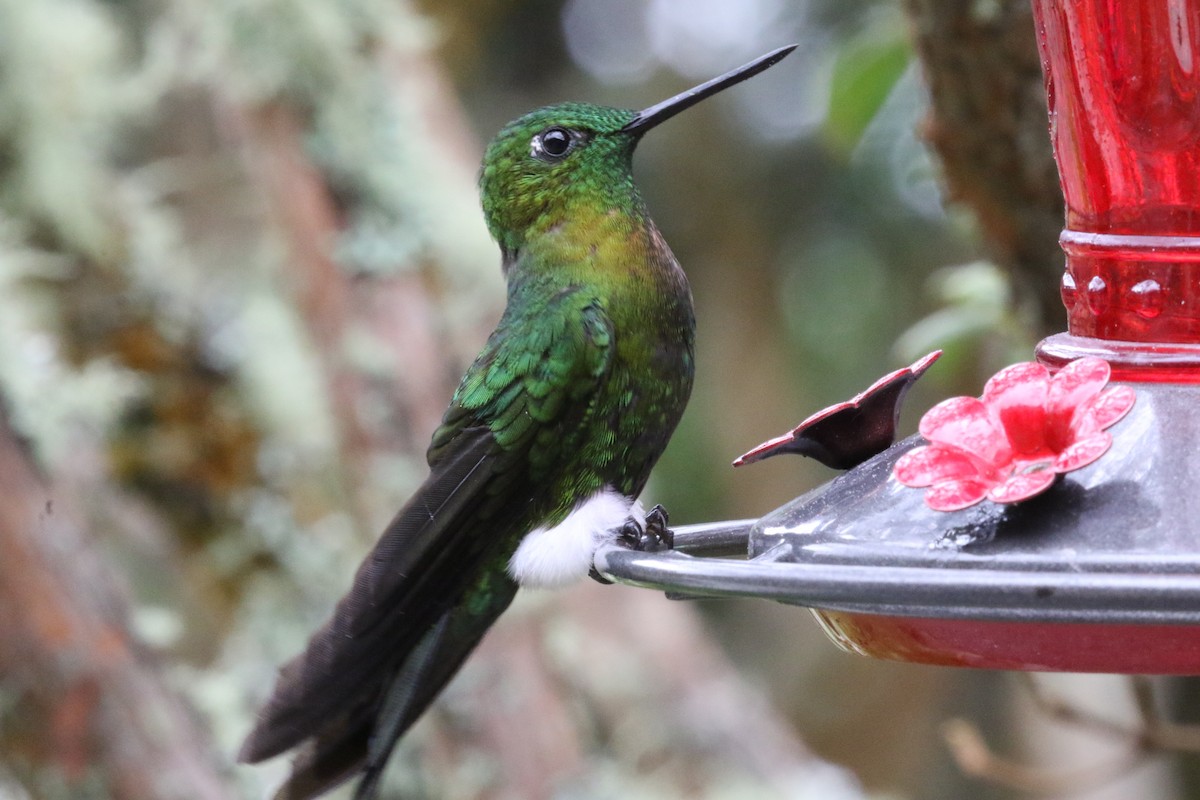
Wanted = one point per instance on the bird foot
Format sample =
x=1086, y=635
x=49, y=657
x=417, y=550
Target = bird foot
x=651, y=536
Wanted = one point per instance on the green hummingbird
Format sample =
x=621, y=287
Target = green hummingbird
x=540, y=458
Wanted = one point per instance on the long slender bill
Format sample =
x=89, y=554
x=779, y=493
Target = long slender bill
x=660, y=112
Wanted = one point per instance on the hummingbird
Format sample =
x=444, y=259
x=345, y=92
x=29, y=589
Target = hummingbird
x=541, y=455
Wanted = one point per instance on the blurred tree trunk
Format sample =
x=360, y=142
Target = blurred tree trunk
x=988, y=126
x=87, y=711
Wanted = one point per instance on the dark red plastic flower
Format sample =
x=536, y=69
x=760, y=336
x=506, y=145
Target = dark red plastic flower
x=846, y=434
x=1014, y=441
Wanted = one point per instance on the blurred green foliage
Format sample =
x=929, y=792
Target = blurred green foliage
x=977, y=314
x=865, y=71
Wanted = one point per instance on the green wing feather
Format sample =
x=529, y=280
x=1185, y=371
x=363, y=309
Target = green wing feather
x=497, y=463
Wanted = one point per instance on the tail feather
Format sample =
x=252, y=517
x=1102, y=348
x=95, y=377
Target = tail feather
x=330, y=759
x=425, y=558
x=399, y=710
x=364, y=739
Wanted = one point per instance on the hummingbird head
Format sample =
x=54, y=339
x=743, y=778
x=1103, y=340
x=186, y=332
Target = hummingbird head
x=542, y=165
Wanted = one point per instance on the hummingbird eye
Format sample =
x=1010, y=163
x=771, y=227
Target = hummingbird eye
x=552, y=144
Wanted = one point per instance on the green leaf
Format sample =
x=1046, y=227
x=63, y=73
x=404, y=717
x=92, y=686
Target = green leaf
x=864, y=74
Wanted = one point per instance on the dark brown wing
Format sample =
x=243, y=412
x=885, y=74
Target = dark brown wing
x=418, y=567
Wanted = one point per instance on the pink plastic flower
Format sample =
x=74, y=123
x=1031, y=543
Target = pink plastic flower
x=1014, y=441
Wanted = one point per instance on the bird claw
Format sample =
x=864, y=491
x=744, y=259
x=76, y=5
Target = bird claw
x=651, y=536
x=595, y=575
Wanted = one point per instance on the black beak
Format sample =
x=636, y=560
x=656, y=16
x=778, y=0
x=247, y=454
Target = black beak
x=661, y=112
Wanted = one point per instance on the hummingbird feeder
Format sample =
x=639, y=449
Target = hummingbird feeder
x=1054, y=522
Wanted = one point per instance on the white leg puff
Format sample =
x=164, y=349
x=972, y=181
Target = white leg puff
x=549, y=558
